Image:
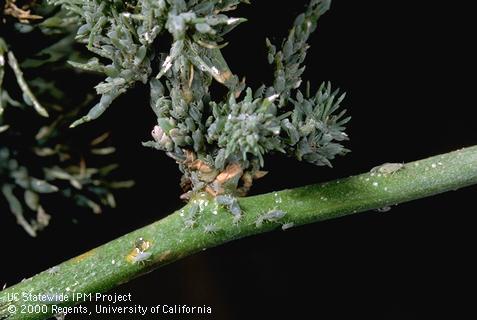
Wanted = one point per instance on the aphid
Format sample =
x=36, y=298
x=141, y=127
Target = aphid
x=193, y=210
x=139, y=254
x=232, y=205
x=387, y=168
x=225, y=200
x=271, y=216
x=383, y=209
x=235, y=209
x=211, y=228
x=53, y=270
x=287, y=226
x=189, y=223
x=274, y=215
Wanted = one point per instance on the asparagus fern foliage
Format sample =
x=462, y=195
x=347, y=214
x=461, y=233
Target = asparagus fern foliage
x=175, y=47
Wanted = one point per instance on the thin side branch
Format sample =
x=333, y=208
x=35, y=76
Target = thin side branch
x=203, y=224
x=27, y=93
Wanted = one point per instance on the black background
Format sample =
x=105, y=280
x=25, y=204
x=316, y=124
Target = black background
x=409, y=70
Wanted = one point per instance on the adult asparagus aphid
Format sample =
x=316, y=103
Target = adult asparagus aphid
x=190, y=223
x=287, y=226
x=387, y=168
x=231, y=203
x=270, y=216
x=211, y=228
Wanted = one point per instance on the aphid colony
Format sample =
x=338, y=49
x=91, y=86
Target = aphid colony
x=139, y=253
x=231, y=204
x=190, y=220
x=233, y=207
x=196, y=208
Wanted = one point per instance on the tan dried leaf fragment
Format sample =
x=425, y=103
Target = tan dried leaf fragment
x=22, y=14
x=232, y=171
x=201, y=166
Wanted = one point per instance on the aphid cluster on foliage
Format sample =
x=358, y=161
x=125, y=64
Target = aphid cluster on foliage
x=139, y=253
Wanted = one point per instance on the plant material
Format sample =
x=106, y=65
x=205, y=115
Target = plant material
x=36, y=156
x=168, y=240
x=220, y=146
x=23, y=14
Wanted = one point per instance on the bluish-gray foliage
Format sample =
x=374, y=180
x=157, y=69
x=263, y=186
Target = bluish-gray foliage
x=207, y=137
x=36, y=157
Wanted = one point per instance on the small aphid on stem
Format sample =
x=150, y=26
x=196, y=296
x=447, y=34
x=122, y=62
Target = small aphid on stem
x=139, y=256
x=225, y=200
x=287, y=226
x=235, y=209
x=53, y=270
x=189, y=223
x=193, y=210
x=274, y=215
x=387, y=168
x=231, y=203
x=211, y=228
x=270, y=216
